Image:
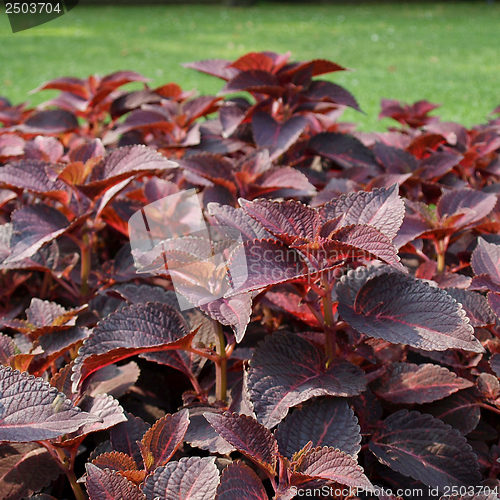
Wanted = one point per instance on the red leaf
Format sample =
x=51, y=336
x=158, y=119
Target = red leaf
x=258, y=81
x=344, y=150
x=190, y=478
x=239, y=481
x=286, y=370
x=410, y=383
x=381, y=208
x=132, y=330
x=110, y=485
x=25, y=469
x=324, y=422
x=247, y=436
x=425, y=448
x=161, y=441
x=333, y=465
x=49, y=122
x=33, y=410
x=277, y=137
x=398, y=308
x=124, y=436
x=221, y=68
x=115, y=460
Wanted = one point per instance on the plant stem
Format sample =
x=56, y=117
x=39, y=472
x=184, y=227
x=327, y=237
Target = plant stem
x=85, y=263
x=328, y=323
x=68, y=470
x=221, y=366
x=441, y=246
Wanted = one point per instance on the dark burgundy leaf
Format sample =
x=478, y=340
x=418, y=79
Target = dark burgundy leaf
x=71, y=84
x=486, y=260
x=202, y=435
x=124, y=436
x=110, y=485
x=33, y=227
x=32, y=175
x=369, y=240
x=333, y=465
x=410, y=383
x=159, y=443
x=324, y=422
x=238, y=219
x=343, y=149
x=277, y=137
x=8, y=349
x=401, y=309
x=233, y=311
x=115, y=460
x=394, y=160
x=135, y=329
x=495, y=364
x=494, y=303
x=122, y=163
x=238, y=481
x=438, y=164
x=474, y=205
x=190, y=478
x=24, y=469
x=255, y=80
x=423, y=447
x=32, y=410
x=286, y=370
x=286, y=178
x=113, y=380
x=381, y=208
x=286, y=219
x=247, y=436
x=330, y=92
x=50, y=121
x=266, y=262
x=488, y=386
x=221, y=68
x=475, y=305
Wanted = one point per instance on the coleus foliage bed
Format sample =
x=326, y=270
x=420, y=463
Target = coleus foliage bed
x=362, y=353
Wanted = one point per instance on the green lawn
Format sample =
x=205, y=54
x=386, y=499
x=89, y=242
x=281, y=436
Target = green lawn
x=448, y=53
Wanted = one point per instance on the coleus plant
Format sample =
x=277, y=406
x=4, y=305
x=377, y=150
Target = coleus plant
x=361, y=350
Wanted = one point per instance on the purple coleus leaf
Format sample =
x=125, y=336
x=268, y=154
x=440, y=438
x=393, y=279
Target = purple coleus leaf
x=239, y=481
x=485, y=262
x=369, y=240
x=237, y=218
x=122, y=163
x=289, y=220
x=24, y=469
x=277, y=137
x=343, y=149
x=494, y=303
x=161, y=441
x=247, y=436
x=135, y=329
x=409, y=383
x=32, y=410
x=475, y=305
x=233, y=311
x=381, y=208
x=286, y=370
x=191, y=478
x=383, y=303
x=34, y=226
x=125, y=436
x=110, y=485
x=424, y=448
x=32, y=176
x=471, y=205
x=331, y=464
x=324, y=422
x=266, y=262
x=49, y=121
x=460, y=410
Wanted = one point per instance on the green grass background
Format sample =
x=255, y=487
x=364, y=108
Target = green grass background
x=448, y=53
